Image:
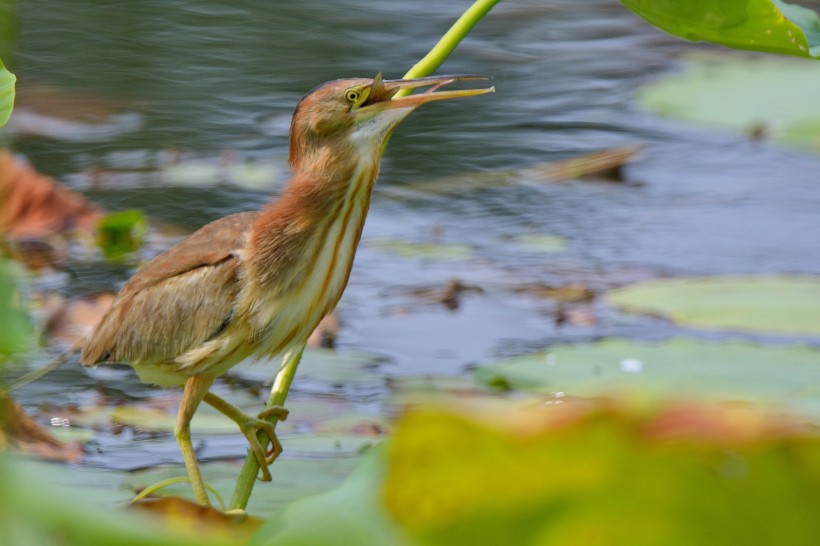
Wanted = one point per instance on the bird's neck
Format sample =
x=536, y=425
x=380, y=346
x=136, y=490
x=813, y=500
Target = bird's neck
x=317, y=221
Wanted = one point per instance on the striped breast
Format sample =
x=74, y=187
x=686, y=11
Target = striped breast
x=284, y=312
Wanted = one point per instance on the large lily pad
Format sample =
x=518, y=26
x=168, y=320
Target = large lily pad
x=775, y=97
x=760, y=25
x=772, y=305
x=784, y=376
x=290, y=480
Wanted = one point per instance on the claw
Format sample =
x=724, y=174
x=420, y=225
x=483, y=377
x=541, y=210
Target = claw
x=255, y=426
x=251, y=427
x=275, y=448
x=263, y=424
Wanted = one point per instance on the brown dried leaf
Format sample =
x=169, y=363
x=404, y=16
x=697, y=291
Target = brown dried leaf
x=449, y=295
x=583, y=315
x=183, y=515
x=603, y=165
x=64, y=104
x=21, y=432
x=33, y=206
x=568, y=293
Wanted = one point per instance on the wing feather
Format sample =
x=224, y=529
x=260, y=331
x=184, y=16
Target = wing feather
x=177, y=301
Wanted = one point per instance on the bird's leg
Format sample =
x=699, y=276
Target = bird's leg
x=196, y=388
x=251, y=426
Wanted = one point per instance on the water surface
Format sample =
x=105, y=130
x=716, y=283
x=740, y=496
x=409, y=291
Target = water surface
x=143, y=86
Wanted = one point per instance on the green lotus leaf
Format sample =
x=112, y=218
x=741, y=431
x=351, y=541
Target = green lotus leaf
x=773, y=26
x=784, y=305
x=787, y=377
x=761, y=97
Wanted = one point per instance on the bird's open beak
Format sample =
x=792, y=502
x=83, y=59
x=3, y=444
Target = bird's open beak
x=383, y=93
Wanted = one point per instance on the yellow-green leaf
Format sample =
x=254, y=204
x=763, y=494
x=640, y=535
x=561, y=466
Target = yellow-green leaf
x=761, y=304
x=760, y=25
x=7, y=80
x=603, y=474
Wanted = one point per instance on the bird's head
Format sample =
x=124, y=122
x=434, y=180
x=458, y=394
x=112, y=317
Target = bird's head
x=362, y=112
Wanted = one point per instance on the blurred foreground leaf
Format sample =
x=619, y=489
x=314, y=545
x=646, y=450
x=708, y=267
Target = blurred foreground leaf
x=767, y=305
x=7, y=80
x=783, y=376
x=773, y=26
x=766, y=97
x=604, y=475
x=35, y=511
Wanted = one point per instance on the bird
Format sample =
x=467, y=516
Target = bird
x=256, y=284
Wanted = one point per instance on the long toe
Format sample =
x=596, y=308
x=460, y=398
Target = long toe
x=274, y=451
x=264, y=458
x=260, y=454
x=274, y=411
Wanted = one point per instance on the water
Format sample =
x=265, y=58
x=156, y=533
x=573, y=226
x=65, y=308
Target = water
x=140, y=84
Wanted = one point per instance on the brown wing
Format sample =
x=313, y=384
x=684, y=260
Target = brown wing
x=177, y=301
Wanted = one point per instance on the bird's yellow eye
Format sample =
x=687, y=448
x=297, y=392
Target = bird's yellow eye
x=352, y=95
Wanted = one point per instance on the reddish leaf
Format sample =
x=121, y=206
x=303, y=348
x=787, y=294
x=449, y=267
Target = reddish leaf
x=19, y=431
x=33, y=205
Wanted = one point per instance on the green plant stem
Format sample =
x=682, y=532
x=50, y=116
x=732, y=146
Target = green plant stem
x=450, y=40
x=278, y=395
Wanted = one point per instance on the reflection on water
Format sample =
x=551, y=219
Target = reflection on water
x=202, y=79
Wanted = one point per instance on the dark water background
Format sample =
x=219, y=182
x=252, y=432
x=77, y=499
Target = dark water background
x=207, y=81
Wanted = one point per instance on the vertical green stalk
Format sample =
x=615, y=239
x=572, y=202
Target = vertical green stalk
x=278, y=394
x=279, y=391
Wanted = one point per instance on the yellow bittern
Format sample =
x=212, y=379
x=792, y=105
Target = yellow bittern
x=258, y=283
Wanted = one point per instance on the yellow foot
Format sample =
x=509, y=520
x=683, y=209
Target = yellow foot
x=251, y=427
